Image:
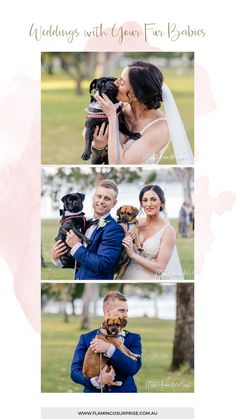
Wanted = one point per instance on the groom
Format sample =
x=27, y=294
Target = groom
x=99, y=259
x=122, y=368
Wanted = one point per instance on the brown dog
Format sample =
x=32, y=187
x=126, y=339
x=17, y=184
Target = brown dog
x=109, y=331
x=127, y=218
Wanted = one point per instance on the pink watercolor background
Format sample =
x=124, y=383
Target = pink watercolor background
x=20, y=191
x=206, y=206
x=20, y=178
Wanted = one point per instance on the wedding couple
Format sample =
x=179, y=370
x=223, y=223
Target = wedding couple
x=98, y=260
x=141, y=91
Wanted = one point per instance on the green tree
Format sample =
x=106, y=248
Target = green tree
x=183, y=351
x=80, y=66
x=64, y=293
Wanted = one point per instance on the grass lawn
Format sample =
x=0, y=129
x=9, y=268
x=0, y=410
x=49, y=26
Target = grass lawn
x=50, y=272
x=59, y=340
x=63, y=116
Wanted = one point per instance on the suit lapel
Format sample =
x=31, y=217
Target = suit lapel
x=96, y=233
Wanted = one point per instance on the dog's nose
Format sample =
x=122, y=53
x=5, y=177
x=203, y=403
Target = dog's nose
x=113, y=330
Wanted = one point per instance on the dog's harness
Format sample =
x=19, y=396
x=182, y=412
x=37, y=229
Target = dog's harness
x=73, y=217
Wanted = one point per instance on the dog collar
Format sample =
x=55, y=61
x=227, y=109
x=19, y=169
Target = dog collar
x=69, y=213
x=97, y=114
x=128, y=224
x=66, y=213
x=101, y=333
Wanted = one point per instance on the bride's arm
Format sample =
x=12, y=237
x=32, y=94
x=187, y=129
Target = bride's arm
x=166, y=248
x=114, y=148
x=153, y=140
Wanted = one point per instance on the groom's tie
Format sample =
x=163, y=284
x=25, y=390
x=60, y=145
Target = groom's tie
x=91, y=222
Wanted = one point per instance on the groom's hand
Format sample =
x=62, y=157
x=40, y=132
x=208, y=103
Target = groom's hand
x=58, y=249
x=99, y=345
x=72, y=239
x=107, y=377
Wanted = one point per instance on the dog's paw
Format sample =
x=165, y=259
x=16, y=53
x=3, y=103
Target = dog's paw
x=135, y=135
x=85, y=156
x=118, y=383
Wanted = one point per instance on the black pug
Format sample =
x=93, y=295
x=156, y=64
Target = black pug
x=72, y=218
x=95, y=117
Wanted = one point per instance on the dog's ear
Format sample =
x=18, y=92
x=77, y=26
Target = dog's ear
x=118, y=211
x=64, y=198
x=93, y=85
x=135, y=211
x=123, y=322
x=104, y=323
x=82, y=196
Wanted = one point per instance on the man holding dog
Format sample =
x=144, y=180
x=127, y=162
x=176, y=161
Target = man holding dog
x=99, y=259
x=123, y=368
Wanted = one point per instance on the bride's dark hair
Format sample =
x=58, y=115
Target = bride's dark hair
x=146, y=81
x=157, y=190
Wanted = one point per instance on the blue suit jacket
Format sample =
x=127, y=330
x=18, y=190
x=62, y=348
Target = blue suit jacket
x=99, y=259
x=124, y=366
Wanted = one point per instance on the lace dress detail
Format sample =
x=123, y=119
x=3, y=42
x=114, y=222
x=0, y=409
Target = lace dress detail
x=152, y=159
x=150, y=251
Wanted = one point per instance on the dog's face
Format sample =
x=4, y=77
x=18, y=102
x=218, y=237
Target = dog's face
x=105, y=85
x=73, y=202
x=127, y=214
x=113, y=325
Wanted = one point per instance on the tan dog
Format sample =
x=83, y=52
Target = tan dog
x=109, y=331
x=127, y=218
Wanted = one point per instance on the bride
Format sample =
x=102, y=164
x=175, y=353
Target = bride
x=141, y=91
x=159, y=258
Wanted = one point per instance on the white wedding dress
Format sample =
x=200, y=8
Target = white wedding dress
x=153, y=158
x=151, y=246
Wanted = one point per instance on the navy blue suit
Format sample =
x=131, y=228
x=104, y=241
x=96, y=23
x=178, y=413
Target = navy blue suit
x=99, y=259
x=125, y=367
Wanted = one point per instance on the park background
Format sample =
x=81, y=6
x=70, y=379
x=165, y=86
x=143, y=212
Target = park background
x=65, y=80
x=163, y=314
x=177, y=184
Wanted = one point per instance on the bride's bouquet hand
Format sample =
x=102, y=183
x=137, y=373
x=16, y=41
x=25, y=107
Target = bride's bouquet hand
x=128, y=245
